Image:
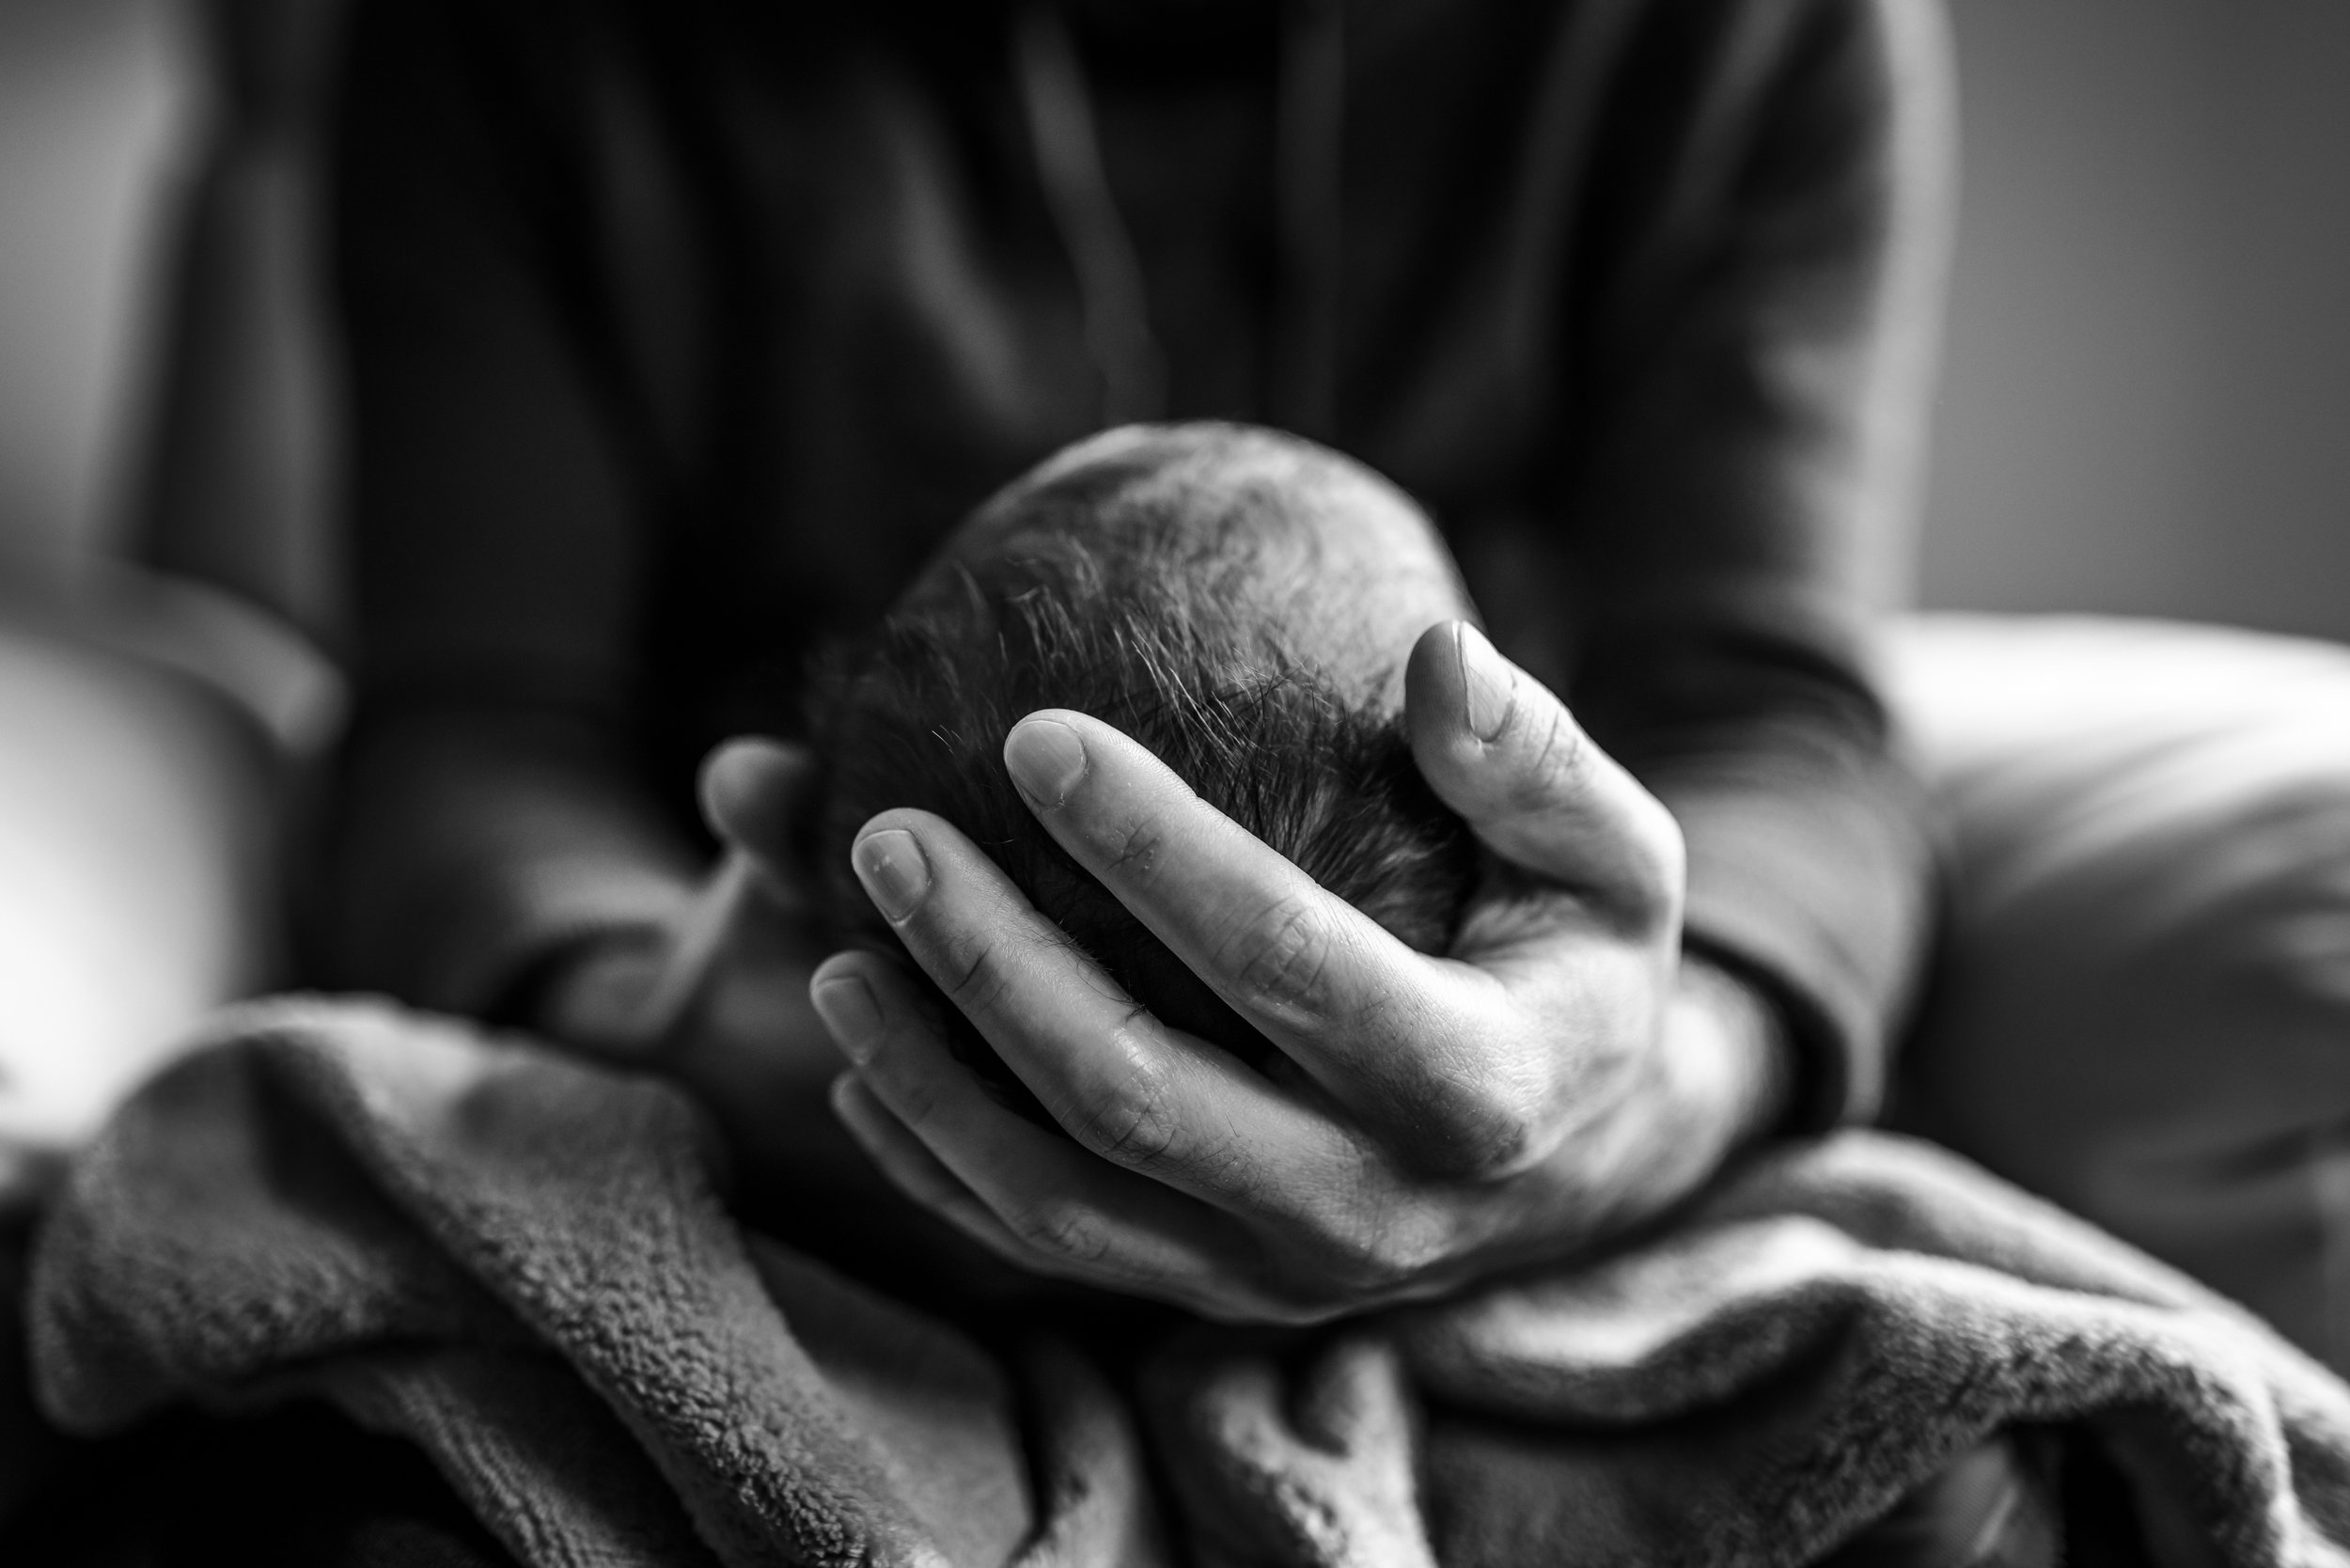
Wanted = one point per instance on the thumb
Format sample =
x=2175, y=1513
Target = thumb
x=754, y=793
x=1498, y=746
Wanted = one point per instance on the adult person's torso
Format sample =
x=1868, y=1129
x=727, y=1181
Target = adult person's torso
x=818, y=270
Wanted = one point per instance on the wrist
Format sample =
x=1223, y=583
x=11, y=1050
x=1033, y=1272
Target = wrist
x=1718, y=1080
x=1733, y=1052
x=1718, y=1076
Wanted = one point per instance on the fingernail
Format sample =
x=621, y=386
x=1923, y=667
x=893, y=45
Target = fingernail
x=847, y=1007
x=890, y=865
x=1485, y=684
x=1046, y=760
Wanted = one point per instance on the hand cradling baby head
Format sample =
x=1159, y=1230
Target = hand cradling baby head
x=1239, y=602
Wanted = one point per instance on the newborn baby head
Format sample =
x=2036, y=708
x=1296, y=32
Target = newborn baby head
x=1242, y=603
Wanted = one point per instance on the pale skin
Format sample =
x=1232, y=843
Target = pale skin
x=1561, y=1073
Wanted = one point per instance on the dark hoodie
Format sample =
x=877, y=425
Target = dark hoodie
x=681, y=330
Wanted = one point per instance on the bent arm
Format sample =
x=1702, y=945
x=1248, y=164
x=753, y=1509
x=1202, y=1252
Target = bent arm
x=1764, y=351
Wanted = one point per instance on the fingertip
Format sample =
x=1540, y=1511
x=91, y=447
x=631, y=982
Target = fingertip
x=855, y=1106
x=1452, y=756
x=859, y=976
x=1488, y=683
x=889, y=862
x=1502, y=750
x=925, y=825
x=1427, y=671
x=1047, y=759
x=1458, y=688
x=846, y=964
x=852, y=1014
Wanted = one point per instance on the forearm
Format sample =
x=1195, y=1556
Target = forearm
x=1743, y=496
x=1809, y=880
x=1809, y=859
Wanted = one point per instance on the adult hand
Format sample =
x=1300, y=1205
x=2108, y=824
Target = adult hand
x=1561, y=1074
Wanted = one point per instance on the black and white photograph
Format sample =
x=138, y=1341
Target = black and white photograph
x=1175, y=784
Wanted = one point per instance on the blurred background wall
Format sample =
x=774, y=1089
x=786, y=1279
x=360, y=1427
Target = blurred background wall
x=2147, y=406
x=93, y=98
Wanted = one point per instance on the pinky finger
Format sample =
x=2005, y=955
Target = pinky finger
x=917, y=1173
x=1120, y=1257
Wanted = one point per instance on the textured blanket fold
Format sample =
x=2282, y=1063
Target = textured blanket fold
x=519, y=1262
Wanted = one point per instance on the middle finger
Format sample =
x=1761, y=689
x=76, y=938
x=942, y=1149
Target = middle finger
x=1378, y=1025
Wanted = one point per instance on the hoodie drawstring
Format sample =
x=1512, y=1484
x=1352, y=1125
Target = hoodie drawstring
x=1311, y=126
x=1068, y=151
x=1308, y=128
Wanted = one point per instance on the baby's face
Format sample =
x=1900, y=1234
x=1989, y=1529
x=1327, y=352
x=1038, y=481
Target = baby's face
x=1352, y=569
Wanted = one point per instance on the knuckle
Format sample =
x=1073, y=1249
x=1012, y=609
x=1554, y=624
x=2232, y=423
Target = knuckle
x=1373, y=1253
x=1281, y=960
x=1133, y=1125
x=977, y=978
x=1372, y=1259
x=1064, y=1229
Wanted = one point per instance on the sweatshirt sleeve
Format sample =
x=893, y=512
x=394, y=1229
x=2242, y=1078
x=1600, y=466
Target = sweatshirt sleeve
x=488, y=812
x=1759, y=344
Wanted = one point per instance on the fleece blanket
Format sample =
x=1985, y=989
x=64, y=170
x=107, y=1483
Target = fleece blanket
x=520, y=1262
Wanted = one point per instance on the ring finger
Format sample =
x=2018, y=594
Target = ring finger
x=1067, y=1211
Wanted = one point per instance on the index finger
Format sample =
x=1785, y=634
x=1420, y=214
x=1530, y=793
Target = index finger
x=1366, y=1017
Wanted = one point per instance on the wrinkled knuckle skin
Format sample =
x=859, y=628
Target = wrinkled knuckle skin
x=1063, y=1231
x=979, y=981
x=1369, y=1257
x=1132, y=1127
x=1280, y=964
